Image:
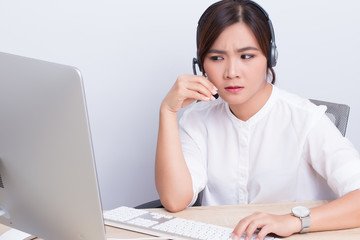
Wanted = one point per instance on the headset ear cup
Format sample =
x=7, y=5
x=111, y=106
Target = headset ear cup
x=273, y=55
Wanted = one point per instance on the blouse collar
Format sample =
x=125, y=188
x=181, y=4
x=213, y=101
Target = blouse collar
x=260, y=114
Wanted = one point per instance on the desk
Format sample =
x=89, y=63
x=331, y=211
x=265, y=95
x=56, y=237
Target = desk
x=229, y=216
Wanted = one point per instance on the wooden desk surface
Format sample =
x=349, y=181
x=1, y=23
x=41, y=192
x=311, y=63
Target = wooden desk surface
x=229, y=216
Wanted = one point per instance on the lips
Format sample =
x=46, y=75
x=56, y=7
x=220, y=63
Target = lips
x=234, y=89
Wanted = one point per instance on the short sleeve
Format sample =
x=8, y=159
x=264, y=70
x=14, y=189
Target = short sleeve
x=333, y=157
x=192, y=136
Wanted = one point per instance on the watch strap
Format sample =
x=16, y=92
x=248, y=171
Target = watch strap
x=305, y=224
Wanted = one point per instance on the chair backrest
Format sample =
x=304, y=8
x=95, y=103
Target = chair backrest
x=338, y=113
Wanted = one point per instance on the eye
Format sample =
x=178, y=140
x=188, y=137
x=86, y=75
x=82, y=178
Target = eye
x=216, y=58
x=247, y=56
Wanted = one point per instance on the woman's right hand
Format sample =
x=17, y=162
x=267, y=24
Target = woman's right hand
x=172, y=176
x=186, y=90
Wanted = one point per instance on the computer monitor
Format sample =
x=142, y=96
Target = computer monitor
x=48, y=182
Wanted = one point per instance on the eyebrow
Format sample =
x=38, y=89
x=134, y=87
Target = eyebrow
x=238, y=50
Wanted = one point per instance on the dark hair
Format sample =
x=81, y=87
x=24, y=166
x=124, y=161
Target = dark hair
x=224, y=13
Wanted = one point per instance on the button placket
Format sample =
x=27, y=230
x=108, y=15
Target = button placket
x=244, y=136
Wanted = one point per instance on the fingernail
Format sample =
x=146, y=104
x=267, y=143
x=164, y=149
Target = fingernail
x=206, y=99
x=214, y=91
x=212, y=98
x=234, y=236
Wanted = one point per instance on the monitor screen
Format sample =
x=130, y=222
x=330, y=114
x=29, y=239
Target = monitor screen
x=48, y=183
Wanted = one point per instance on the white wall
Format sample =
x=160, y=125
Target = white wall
x=130, y=53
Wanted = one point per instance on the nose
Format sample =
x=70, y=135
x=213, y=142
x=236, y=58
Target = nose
x=232, y=69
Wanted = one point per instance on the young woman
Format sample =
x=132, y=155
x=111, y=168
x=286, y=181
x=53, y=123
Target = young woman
x=256, y=143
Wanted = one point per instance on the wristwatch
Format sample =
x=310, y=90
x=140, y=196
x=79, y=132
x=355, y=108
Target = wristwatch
x=304, y=214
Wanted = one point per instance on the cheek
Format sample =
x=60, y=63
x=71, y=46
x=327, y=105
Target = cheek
x=206, y=67
x=211, y=71
x=213, y=76
x=262, y=65
x=259, y=70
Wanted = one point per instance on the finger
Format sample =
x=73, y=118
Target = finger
x=201, y=89
x=205, y=82
x=240, y=228
x=196, y=83
x=263, y=232
x=187, y=89
x=252, y=227
x=195, y=95
x=212, y=88
x=249, y=225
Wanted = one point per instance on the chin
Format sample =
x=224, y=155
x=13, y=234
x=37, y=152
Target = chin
x=234, y=100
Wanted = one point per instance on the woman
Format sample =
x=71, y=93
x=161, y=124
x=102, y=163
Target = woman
x=256, y=143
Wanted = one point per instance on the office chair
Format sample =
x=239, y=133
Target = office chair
x=338, y=114
x=157, y=203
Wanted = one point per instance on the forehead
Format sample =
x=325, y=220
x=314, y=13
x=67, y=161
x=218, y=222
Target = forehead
x=237, y=35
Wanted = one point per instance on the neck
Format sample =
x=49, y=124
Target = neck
x=249, y=108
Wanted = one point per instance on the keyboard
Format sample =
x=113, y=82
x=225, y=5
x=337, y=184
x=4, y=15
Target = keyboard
x=166, y=226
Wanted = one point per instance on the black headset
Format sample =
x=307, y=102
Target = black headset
x=273, y=53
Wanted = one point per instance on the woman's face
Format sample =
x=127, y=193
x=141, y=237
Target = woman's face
x=236, y=65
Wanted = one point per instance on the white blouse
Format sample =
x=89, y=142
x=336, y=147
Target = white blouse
x=288, y=151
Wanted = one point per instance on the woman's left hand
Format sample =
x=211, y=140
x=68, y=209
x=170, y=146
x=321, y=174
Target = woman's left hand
x=281, y=225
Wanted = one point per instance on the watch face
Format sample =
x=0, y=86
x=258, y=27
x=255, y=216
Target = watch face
x=301, y=211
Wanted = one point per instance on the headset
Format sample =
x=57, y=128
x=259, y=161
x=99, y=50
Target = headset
x=273, y=53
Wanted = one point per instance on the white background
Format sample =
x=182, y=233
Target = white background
x=130, y=53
